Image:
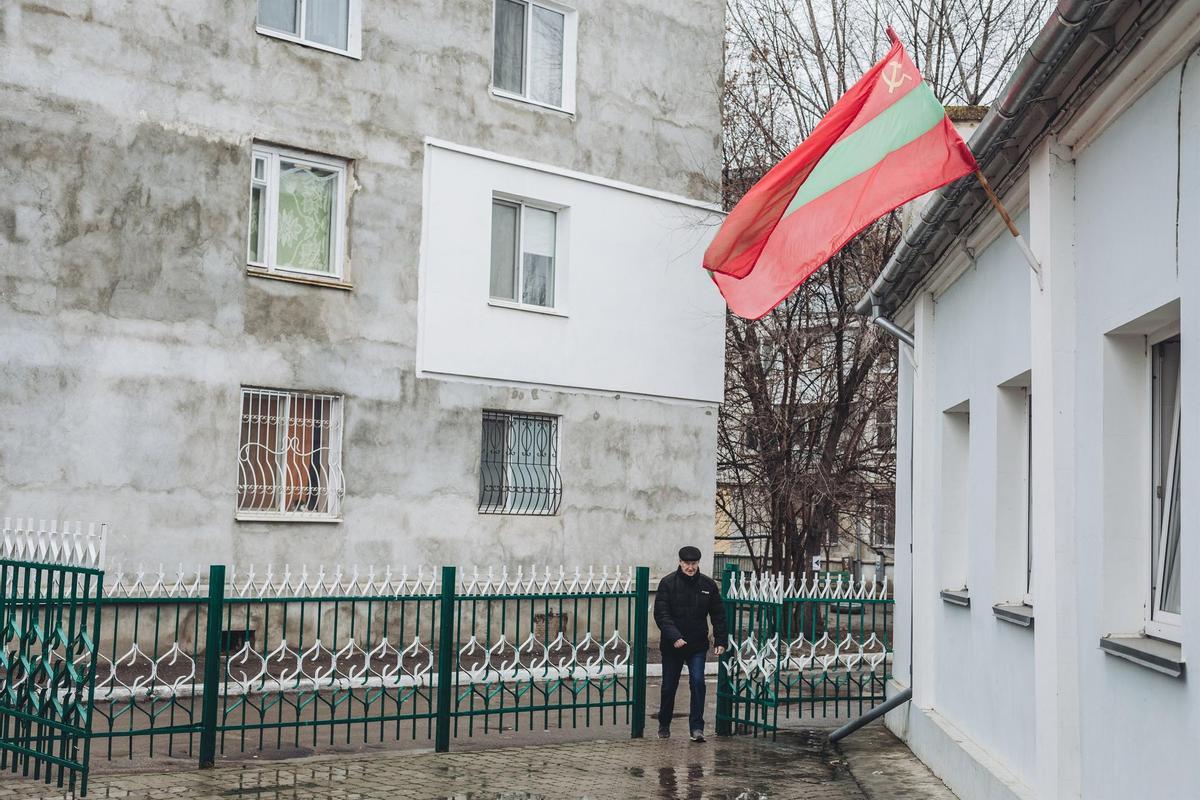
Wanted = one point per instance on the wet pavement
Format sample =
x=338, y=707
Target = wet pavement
x=798, y=765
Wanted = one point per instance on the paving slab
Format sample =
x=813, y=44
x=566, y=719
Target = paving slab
x=799, y=765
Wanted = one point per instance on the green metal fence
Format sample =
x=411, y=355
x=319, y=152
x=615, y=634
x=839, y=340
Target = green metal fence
x=801, y=649
x=201, y=668
x=48, y=621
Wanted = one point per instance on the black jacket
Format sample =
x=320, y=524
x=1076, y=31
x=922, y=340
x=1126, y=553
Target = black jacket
x=682, y=607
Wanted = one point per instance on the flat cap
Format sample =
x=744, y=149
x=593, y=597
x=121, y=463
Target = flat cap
x=689, y=553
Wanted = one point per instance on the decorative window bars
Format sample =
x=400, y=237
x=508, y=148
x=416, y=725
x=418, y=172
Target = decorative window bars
x=518, y=470
x=290, y=455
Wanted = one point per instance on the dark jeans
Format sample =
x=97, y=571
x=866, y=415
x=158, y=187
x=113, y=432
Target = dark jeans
x=672, y=666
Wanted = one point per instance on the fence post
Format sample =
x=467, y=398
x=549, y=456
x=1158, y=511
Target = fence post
x=641, y=636
x=212, y=665
x=445, y=659
x=724, y=689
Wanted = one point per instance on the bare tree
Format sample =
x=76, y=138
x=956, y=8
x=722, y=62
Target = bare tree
x=806, y=452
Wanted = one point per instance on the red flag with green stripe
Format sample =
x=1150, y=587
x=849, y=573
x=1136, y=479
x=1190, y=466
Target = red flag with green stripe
x=885, y=142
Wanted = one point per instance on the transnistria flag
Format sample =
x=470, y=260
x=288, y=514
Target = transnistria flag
x=885, y=142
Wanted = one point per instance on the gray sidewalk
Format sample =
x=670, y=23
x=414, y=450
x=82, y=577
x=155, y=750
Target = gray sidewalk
x=799, y=765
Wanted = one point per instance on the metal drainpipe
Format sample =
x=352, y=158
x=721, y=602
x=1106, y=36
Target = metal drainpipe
x=899, y=699
x=872, y=715
x=890, y=327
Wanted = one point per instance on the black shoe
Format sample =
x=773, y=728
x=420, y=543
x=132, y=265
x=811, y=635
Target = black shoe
x=663, y=733
x=697, y=736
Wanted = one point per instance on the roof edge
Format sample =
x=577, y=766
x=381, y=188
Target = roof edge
x=1004, y=139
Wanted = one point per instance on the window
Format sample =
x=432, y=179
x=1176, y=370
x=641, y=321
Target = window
x=953, y=532
x=297, y=214
x=524, y=248
x=1012, y=557
x=290, y=455
x=885, y=429
x=1028, y=498
x=518, y=470
x=1163, y=618
x=883, y=522
x=326, y=24
x=534, y=54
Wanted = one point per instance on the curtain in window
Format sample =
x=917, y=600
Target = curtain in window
x=546, y=56
x=504, y=250
x=306, y=202
x=279, y=15
x=307, y=476
x=538, y=258
x=327, y=21
x=258, y=467
x=509, y=55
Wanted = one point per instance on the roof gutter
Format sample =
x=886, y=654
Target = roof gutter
x=1000, y=144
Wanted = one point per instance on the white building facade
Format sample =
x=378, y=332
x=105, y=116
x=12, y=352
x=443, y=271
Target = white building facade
x=1047, y=556
x=361, y=282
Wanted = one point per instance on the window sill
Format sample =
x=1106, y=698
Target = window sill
x=1014, y=614
x=296, y=277
x=287, y=37
x=1154, y=654
x=560, y=111
x=956, y=597
x=552, y=312
x=250, y=516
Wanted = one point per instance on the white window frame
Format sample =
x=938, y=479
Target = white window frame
x=353, y=31
x=1158, y=623
x=560, y=251
x=336, y=487
x=570, y=39
x=266, y=265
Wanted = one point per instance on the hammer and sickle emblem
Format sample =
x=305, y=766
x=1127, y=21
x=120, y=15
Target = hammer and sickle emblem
x=894, y=76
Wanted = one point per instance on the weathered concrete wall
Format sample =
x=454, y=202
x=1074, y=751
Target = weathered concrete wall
x=128, y=322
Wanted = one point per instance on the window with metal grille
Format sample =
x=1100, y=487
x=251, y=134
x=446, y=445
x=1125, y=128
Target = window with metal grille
x=290, y=456
x=518, y=469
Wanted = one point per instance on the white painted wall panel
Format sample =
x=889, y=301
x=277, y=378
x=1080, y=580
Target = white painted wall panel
x=1136, y=230
x=978, y=346
x=638, y=314
x=1143, y=727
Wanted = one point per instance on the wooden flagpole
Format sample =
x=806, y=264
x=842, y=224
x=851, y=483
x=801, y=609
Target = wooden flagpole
x=1012, y=226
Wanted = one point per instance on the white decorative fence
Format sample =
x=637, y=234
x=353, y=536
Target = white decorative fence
x=67, y=544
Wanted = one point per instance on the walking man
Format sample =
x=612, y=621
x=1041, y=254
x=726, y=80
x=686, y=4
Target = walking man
x=682, y=606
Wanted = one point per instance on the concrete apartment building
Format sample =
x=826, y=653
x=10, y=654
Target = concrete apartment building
x=357, y=282
x=1046, y=545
